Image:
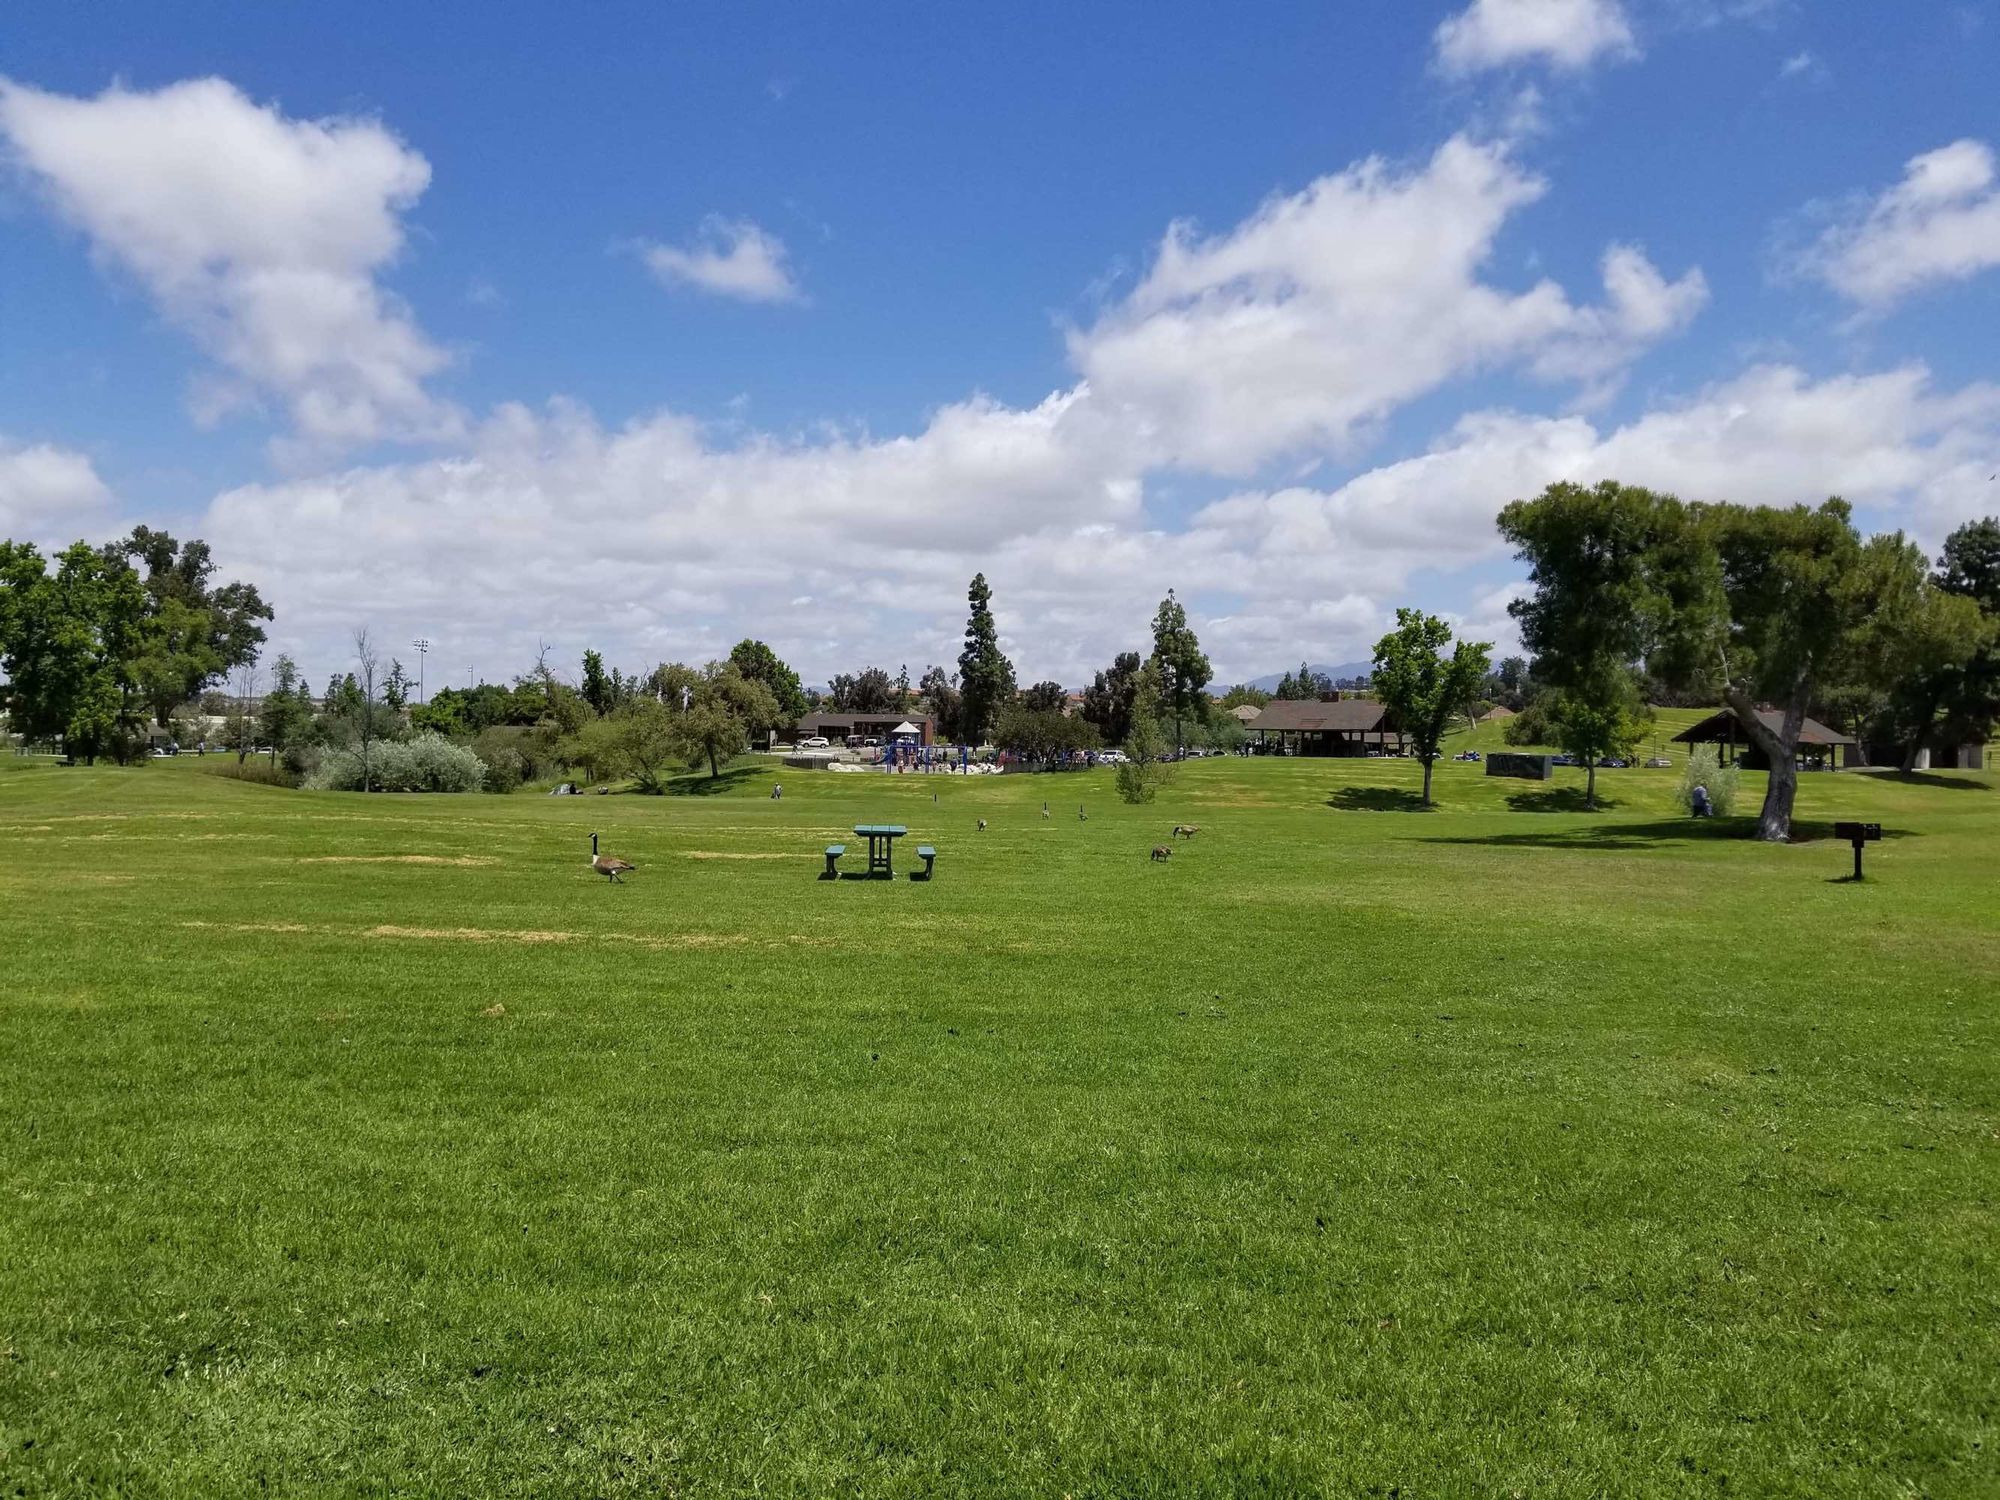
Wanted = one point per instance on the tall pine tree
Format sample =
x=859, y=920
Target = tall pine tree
x=985, y=676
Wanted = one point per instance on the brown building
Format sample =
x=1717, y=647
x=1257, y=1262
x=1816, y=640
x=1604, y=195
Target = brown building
x=837, y=725
x=1350, y=726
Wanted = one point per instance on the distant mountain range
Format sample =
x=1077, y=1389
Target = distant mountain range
x=1269, y=682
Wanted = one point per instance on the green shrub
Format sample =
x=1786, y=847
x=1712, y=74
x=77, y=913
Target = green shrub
x=261, y=772
x=505, y=769
x=503, y=744
x=1704, y=768
x=423, y=763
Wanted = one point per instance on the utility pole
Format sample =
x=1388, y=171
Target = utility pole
x=422, y=646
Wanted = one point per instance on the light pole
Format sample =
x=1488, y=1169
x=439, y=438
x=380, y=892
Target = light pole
x=422, y=646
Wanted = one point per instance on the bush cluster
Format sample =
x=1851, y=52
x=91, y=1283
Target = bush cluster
x=262, y=772
x=1704, y=768
x=423, y=763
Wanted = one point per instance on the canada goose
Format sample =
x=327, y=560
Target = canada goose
x=1082, y=816
x=982, y=825
x=1045, y=809
x=607, y=865
x=1162, y=852
x=1186, y=830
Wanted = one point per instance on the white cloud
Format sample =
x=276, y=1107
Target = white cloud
x=259, y=235
x=1941, y=223
x=48, y=494
x=1802, y=65
x=1770, y=436
x=729, y=257
x=1329, y=308
x=1565, y=34
x=653, y=542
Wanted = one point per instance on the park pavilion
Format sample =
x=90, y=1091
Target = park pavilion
x=1319, y=726
x=1818, y=745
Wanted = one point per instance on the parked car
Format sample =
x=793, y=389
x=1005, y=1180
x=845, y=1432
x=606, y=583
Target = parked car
x=1614, y=763
x=1659, y=763
x=1562, y=760
x=814, y=742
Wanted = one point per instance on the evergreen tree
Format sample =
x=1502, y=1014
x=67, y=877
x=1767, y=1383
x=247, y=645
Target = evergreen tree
x=985, y=676
x=596, y=686
x=1184, y=670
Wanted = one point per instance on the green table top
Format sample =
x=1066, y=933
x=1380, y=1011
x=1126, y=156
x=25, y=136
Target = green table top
x=880, y=830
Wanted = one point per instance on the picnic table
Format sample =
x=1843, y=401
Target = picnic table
x=881, y=840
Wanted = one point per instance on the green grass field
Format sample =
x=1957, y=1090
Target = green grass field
x=372, y=1145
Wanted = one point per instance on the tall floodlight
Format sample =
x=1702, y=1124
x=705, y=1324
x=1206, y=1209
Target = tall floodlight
x=423, y=649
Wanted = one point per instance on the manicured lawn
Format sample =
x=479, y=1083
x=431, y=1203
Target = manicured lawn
x=370, y=1145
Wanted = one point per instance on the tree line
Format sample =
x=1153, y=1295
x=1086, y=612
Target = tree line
x=1787, y=609
x=1636, y=598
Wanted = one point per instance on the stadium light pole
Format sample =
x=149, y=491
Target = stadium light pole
x=422, y=647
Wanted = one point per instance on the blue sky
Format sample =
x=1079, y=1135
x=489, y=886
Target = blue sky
x=649, y=328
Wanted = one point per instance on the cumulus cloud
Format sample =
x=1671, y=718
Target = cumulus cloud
x=47, y=493
x=1771, y=436
x=729, y=257
x=259, y=235
x=1941, y=223
x=1564, y=34
x=1330, y=307
x=659, y=538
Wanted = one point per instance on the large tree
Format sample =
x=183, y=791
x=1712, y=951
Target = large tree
x=69, y=645
x=722, y=708
x=1041, y=734
x=1421, y=686
x=1799, y=595
x=1969, y=568
x=985, y=676
x=1758, y=606
x=1589, y=553
x=196, y=632
x=1303, y=685
x=759, y=663
x=1184, y=670
x=1107, y=702
x=285, y=716
x=940, y=695
x=596, y=687
x=1045, y=698
x=869, y=691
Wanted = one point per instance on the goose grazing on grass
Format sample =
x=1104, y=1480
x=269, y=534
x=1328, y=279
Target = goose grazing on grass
x=982, y=825
x=1082, y=816
x=608, y=865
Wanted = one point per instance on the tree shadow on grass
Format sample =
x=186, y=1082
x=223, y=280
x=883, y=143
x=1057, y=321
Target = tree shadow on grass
x=1377, y=799
x=1613, y=837
x=1565, y=799
x=1961, y=782
x=701, y=784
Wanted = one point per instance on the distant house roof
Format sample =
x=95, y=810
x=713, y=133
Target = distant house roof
x=1721, y=724
x=1311, y=716
x=1497, y=712
x=1245, y=712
